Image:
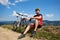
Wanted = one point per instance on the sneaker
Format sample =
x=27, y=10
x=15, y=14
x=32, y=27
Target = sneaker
x=33, y=33
x=22, y=32
x=21, y=36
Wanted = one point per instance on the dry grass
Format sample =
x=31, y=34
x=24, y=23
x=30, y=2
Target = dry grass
x=46, y=33
x=49, y=33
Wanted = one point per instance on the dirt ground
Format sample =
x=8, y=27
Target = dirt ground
x=6, y=34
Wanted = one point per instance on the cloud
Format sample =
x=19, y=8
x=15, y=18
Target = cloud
x=8, y=7
x=8, y=3
x=23, y=13
x=14, y=13
x=13, y=4
x=16, y=1
x=2, y=19
x=4, y=2
x=49, y=15
x=20, y=1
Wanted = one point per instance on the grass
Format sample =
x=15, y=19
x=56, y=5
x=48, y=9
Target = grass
x=47, y=35
x=47, y=32
x=7, y=26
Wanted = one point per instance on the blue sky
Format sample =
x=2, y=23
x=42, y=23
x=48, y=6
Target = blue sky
x=50, y=9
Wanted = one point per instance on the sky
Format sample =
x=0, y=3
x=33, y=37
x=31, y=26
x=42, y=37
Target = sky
x=50, y=9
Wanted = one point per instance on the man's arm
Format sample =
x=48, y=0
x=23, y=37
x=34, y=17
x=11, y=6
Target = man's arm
x=38, y=17
x=27, y=18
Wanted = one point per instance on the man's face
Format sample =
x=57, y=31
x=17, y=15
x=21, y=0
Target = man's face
x=37, y=12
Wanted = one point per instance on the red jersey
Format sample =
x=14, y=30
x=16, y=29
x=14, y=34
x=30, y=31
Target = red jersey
x=40, y=20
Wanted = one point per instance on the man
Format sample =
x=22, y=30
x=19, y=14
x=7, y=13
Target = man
x=37, y=24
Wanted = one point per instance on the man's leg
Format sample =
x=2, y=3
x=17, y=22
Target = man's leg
x=23, y=35
x=27, y=29
x=36, y=26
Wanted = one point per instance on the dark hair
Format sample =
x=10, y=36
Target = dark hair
x=37, y=9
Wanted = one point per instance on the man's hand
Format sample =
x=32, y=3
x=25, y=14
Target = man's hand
x=32, y=18
x=27, y=18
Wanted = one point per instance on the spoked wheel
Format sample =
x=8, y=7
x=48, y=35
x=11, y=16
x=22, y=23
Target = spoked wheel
x=22, y=25
x=15, y=26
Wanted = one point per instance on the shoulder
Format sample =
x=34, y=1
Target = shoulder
x=40, y=14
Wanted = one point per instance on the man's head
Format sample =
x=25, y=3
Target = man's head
x=37, y=11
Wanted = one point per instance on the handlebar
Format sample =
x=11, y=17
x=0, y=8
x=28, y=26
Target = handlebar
x=22, y=15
